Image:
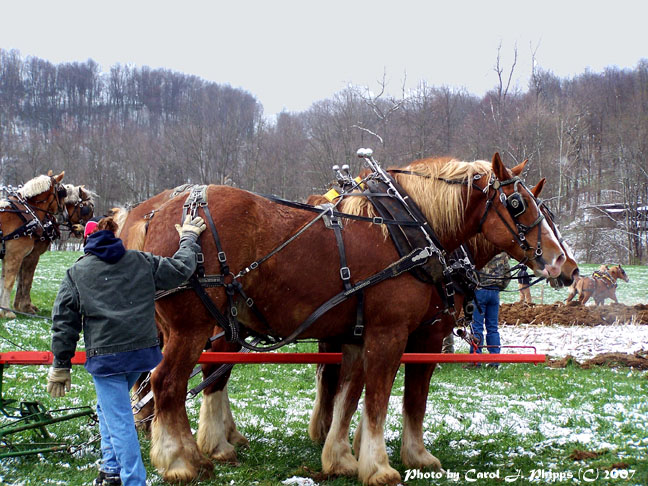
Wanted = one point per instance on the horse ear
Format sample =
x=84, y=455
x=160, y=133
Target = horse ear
x=59, y=177
x=50, y=173
x=499, y=170
x=538, y=188
x=517, y=170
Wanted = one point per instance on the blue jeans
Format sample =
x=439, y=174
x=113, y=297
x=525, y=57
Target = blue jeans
x=120, y=448
x=488, y=301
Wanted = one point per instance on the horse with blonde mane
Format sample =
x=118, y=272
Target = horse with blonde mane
x=27, y=214
x=78, y=209
x=459, y=199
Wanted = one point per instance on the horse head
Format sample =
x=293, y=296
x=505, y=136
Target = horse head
x=569, y=270
x=78, y=208
x=45, y=193
x=512, y=221
x=618, y=272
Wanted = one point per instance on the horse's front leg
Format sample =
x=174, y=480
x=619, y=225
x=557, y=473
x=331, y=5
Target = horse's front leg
x=337, y=458
x=173, y=449
x=381, y=356
x=22, y=300
x=426, y=339
x=16, y=251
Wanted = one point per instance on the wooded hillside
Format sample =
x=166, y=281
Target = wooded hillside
x=132, y=132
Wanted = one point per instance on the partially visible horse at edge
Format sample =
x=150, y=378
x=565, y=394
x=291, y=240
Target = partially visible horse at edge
x=26, y=214
x=295, y=281
x=600, y=286
x=78, y=209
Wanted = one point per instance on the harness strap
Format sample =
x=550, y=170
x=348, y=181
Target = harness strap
x=314, y=209
x=335, y=223
x=415, y=258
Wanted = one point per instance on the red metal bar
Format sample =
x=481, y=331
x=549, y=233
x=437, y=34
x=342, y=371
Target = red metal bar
x=46, y=357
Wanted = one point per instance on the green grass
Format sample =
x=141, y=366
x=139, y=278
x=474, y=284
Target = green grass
x=516, y=418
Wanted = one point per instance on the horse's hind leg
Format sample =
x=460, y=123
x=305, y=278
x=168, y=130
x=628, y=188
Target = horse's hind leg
x=425, y=339
x=173, y=449
x=327, y=381
x=22, y=300
x=337, y=458
x=217, y=432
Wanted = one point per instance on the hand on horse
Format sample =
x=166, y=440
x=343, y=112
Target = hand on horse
x=58, y=382
x=190, y=226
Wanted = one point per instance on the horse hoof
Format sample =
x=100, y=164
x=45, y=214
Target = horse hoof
x=237, y=439
x=5, y=314
x=386, y=476
x=348, y=470
x=423, y=460
x=226, y=455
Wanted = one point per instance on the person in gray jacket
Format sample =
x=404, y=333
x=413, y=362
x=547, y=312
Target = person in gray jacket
x=109, y=295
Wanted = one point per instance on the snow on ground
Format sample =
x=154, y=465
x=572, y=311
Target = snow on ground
x=581, y=342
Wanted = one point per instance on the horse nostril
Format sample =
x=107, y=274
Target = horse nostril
x=560, y=260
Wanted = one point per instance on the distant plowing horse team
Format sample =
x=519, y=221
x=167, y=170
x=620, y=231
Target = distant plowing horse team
x=386, y=262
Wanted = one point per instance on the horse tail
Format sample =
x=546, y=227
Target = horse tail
x=119, y=215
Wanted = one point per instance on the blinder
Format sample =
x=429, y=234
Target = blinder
x=86, y=210
x=515, y=204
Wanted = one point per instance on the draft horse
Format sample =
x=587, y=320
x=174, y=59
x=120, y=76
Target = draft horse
x=458, y=198
x=427, y=338
x=601, y=285
x=78, y=209
x=27, y=214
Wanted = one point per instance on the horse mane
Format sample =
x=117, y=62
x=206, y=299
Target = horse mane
x=35, y=186
x=73, y=196
x=441, y=203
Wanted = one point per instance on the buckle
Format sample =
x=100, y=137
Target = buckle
x=378, y=220
x=221, y=257
x=249, y=302
x=234, y=311
x=200, y=258
x=358, y=330
x=345, y=273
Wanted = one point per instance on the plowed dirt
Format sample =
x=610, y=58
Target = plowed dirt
x=573, y=314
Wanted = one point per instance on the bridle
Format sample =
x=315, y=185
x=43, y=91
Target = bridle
x=514, y=204
x=82, y=209
x=59, y=193
x=516, y=207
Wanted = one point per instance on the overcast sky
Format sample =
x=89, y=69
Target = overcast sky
x=289, y=54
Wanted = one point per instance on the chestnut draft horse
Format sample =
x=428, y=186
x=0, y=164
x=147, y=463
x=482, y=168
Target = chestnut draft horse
x=459, y=198
x=78, y=209
x=601, y=285
x=27, y=214
x=427, y=338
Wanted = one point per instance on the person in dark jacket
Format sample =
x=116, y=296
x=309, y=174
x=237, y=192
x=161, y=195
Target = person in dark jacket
x=487, y=302
x=109, y=295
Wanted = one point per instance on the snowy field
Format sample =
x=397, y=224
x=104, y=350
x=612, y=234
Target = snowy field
x=581, y=342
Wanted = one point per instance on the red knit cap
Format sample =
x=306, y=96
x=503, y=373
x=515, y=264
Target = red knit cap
x=89, y=228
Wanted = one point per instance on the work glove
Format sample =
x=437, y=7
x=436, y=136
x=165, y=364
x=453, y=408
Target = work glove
x=58, y=382
x=191, y=227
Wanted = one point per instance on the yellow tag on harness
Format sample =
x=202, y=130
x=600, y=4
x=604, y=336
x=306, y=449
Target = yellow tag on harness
x=332, y=195
x=360, y=183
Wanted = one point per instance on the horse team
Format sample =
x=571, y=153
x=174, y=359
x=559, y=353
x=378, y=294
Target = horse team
x=464, y=203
